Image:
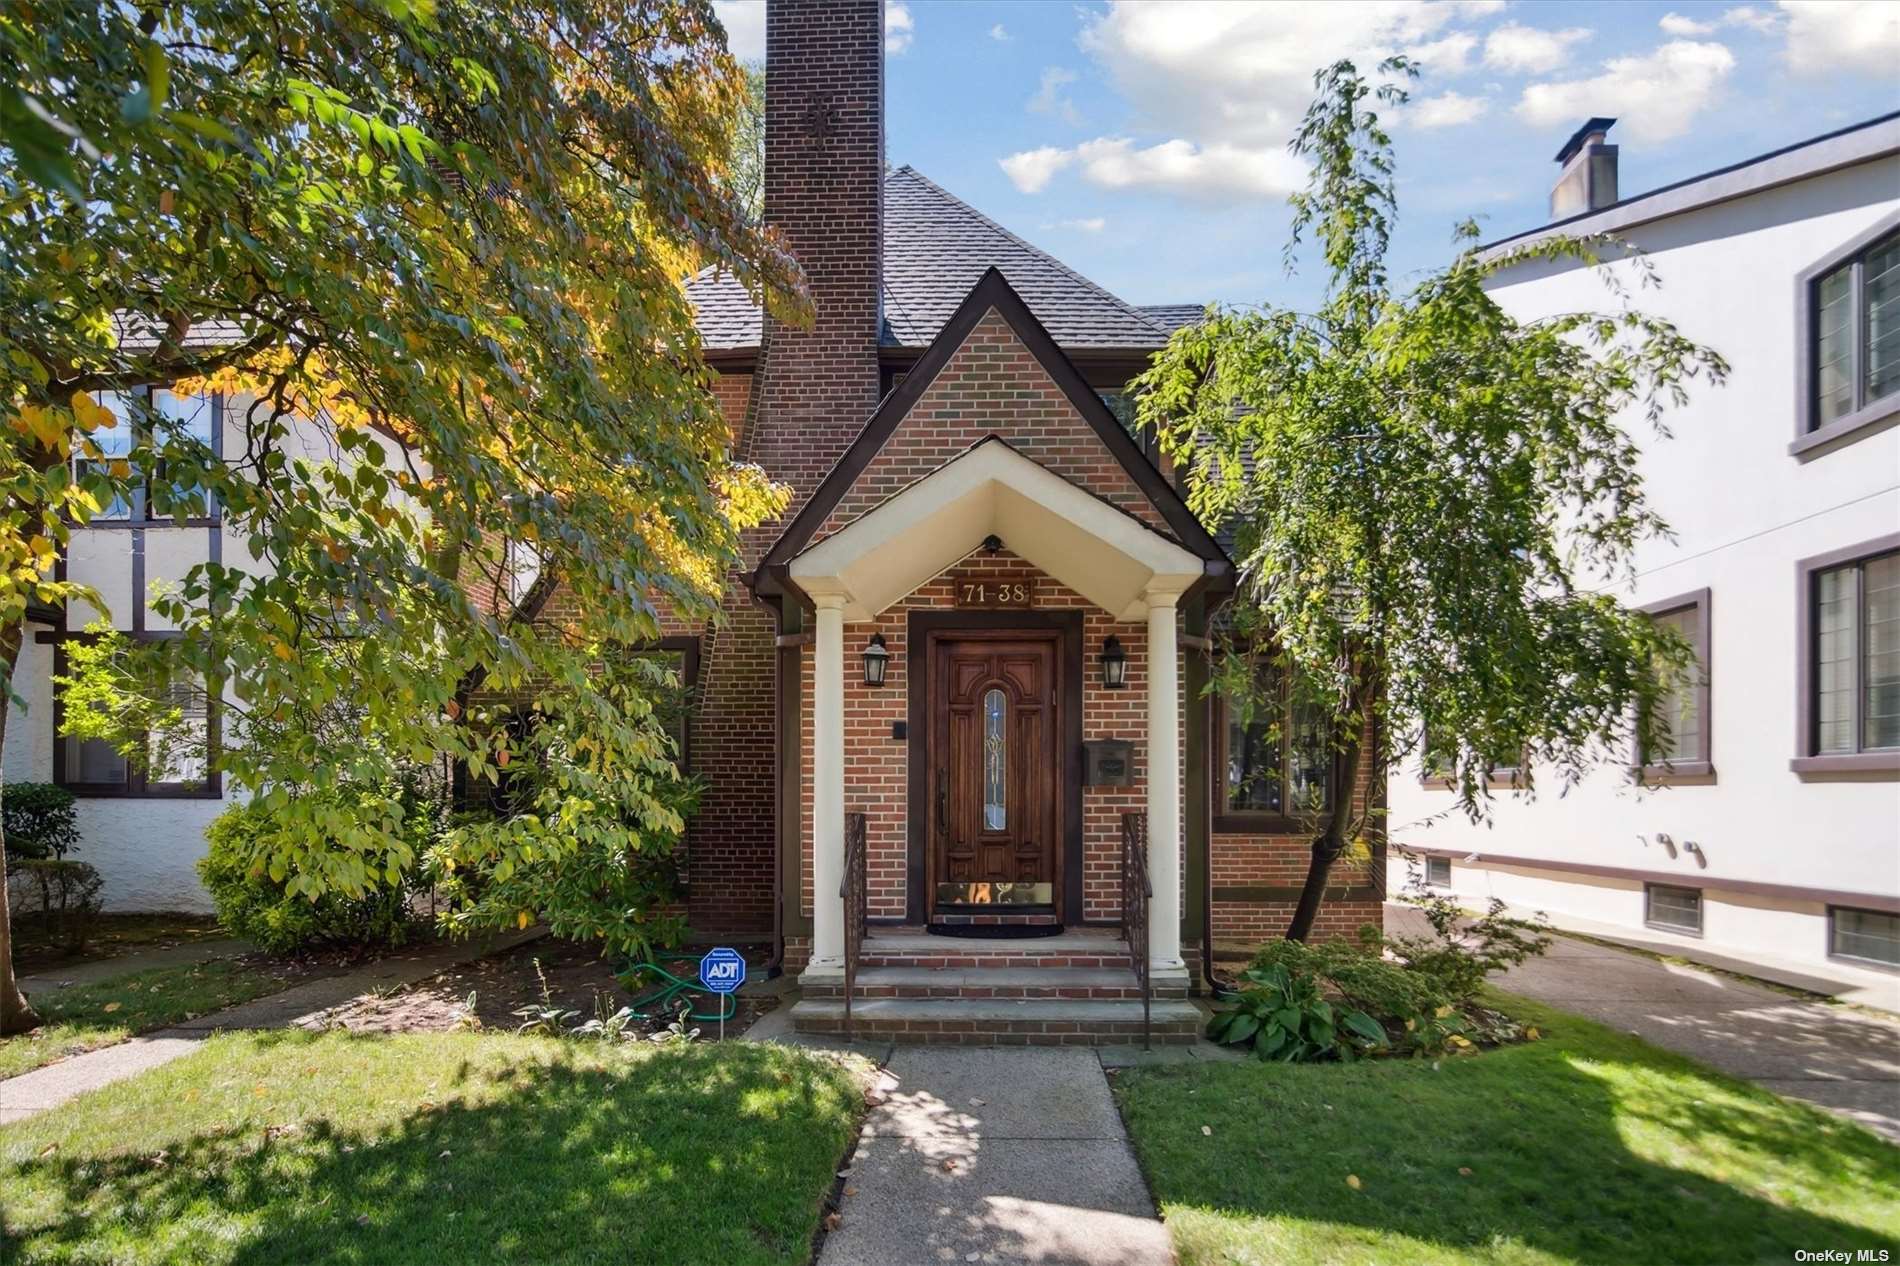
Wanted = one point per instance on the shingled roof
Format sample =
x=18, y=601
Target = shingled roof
x=936, y=247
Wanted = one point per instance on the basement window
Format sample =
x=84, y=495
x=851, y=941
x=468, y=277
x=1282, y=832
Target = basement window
x=1673, y=909
x=1866, y=936
x=1438, y=872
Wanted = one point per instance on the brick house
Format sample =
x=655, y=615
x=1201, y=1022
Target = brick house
x=958, y=695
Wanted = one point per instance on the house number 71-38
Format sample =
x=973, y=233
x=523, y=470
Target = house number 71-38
x=990, y=593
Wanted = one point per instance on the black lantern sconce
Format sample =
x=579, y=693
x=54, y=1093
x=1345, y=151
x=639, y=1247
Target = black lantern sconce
x=1114, y=664
x=877, y=658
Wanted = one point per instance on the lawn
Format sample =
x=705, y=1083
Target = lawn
x=81, y=1018
x=1588, y=1146
x=430, y=1148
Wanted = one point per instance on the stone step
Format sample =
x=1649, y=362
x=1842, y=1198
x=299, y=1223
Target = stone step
x=1076, y=947
x=1001, y=1021
x=1110, y=983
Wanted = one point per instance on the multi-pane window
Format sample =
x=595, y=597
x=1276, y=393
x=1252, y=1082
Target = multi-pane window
x=1438, y=872
x=1856, y=332
x=1856, y=650
x=176, y=762
x=188, y=417
x=1683, y=745
x=1676, y=909
x=674, y=707
x=1869, y=935
x=1274, y=756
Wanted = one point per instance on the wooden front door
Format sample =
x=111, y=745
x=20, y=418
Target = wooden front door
x=995, y=771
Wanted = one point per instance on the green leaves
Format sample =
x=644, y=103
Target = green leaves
x=1436, y=503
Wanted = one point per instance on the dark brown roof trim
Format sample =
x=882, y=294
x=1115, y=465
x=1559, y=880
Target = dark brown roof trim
x=992, y=291
x=1712, y=883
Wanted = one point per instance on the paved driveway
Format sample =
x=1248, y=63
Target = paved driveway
x=1837, y=1058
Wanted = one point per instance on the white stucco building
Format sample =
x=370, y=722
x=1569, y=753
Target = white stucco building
x=1772, y=836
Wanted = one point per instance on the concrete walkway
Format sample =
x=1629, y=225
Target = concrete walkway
x=303, y=1006
x=1006, y=1155
x=51, y=979
x=1836, y=1058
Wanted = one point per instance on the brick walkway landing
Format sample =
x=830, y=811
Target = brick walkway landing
x=1076, y=989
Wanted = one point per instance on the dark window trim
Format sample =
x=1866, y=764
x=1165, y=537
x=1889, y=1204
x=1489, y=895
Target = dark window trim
x=140, y=517
x=1231, y=821
x=1874, y=963
x=1808, y=434
x=1701, y=771
x=688, y=648
x=135, y=787
x=1437, y=883
x=1701, y=910
x=1807, y=762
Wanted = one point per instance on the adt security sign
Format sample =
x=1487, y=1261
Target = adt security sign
x=722, y=970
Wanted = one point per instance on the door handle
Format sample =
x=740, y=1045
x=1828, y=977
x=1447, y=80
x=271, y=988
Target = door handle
x=943, y=807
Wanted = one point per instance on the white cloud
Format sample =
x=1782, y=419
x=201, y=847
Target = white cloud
x=1677, y=24
x=1049, y=97
x=1655, y=97
x=999, y=33
x=744, y=21
x=1447, y=109
x=898, y=27
x=1219, y=171
x=1754, y=19
x=1222, y=70
x=1033, y=169
x=1449, y=56
x=1528, y=50
x=1091, y=224
x=1825, y=39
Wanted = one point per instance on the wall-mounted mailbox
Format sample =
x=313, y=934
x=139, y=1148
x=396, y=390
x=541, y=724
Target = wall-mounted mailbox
x=1108, y=763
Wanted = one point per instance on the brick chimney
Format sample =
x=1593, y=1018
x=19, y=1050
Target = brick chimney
x=1588, y=179
x=824, y=185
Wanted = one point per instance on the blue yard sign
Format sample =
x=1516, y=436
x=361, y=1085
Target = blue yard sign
x=722, y=971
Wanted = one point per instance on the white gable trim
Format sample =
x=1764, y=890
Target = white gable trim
x=1108, y=557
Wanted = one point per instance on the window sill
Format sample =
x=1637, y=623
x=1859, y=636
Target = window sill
x=149, y=793
x=1866, y=964
x=1857, y=425
x=1665, y=927
x=1261, y=824
x=1822, y=767
x=1496, y=782
x=1682, y=773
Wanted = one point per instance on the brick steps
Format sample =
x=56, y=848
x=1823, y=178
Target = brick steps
x=1077, y=947
x=1100, y=983
x=1001, y=1021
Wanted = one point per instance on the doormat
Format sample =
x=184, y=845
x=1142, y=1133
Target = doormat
x=995, y=931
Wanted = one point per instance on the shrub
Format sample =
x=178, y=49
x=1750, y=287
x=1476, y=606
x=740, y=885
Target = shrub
x=39, y=820
x=264, y=911
x=62, y=896
x=1281, y=1014
x=1461, y=951
x=1358, y=975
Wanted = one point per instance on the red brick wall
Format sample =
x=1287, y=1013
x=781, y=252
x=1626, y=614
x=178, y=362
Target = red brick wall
x=814, y=388
x=877, y=766
x=993, y=386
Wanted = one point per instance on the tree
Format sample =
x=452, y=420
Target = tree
x=432, y=251
x=1431, y=499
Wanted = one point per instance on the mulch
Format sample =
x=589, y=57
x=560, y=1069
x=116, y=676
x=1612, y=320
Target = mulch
x=564, y=974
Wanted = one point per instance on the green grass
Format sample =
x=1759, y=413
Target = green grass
x=1589, y=1146
x=81, y=1018
x=275, y=1147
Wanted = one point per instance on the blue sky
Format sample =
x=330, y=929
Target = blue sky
x=1143, y=143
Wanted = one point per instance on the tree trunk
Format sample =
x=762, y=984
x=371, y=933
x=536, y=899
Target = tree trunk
x=1342, y=780
x=16, y=1015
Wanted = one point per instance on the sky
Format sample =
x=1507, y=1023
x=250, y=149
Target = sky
x=1143, y=142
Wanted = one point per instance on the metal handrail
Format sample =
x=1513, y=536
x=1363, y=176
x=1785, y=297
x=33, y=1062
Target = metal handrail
x=1137, y=893
x=852, y=890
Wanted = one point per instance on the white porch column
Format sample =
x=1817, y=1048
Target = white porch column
x=1164, y=783
x=827, y=779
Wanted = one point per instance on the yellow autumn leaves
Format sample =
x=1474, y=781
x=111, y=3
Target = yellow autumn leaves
x=51, y=427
